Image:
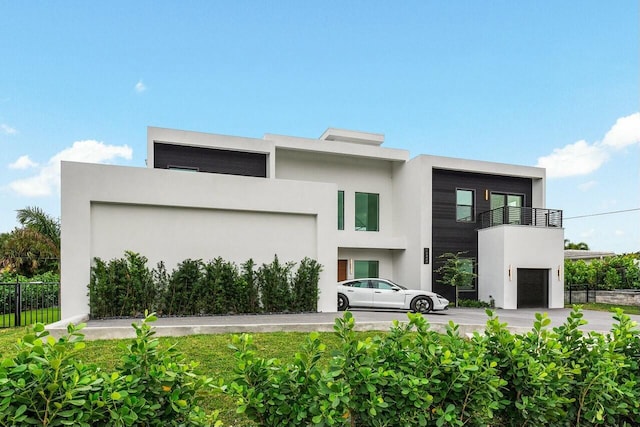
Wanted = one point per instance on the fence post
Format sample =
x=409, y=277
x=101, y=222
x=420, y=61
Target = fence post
x=18, y=295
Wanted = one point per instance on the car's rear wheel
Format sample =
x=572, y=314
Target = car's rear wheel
x=422, y=304
x=343, y=302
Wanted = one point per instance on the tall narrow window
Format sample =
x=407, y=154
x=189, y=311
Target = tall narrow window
x=340, y=210
x=363, y=269
x=464, y=206
x=367, y=212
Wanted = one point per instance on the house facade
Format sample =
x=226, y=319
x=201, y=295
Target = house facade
x=358, y=208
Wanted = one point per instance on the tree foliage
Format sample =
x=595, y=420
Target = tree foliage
x=34, y=247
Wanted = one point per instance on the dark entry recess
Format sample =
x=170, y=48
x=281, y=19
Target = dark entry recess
x=533, y=288
x=212, y=160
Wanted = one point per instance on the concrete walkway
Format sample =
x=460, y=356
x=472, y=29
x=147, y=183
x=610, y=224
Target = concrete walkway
x=469, y=319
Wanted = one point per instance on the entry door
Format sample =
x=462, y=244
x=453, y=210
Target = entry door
x=342, y=270
x=533, y=288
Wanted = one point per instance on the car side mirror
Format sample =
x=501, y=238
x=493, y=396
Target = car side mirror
x=396, y=289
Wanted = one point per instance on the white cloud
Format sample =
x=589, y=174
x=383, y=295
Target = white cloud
x=625, y=132
x=587, y=185
x=140, y=87
x=48, y=179
x=587, y=233
x=582, y=158
x=23, y=162
x=8, y=129
x=619, y=233
x=579, y=158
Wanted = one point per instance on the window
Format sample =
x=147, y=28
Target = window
x=367, y=211
x=464, y=206
x=364, y=269
x=506, y=208
x=340, y=210
x=467, y=265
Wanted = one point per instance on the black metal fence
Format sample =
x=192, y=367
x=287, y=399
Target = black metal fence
x=25, y=303
x=580, y=294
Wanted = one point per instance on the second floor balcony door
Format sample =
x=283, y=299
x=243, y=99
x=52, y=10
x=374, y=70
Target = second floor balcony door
x=512, y=208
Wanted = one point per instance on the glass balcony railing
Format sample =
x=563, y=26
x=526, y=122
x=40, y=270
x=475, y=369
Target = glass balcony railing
x=512, y=215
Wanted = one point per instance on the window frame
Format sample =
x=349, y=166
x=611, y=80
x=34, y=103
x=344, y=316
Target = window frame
x=472, y=206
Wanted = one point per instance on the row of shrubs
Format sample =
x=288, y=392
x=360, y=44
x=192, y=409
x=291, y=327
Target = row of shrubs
x=127, y=287
x=411, y=376
x=414, y=376
x=616, y=272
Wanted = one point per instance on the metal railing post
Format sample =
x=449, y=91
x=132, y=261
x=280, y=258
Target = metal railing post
x=18, y=297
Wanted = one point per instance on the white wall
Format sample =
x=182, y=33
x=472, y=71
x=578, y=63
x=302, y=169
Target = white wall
x=172, y=215
x=511, y=247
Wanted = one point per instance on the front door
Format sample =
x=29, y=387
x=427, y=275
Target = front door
x=533, y=288
x=342, y=270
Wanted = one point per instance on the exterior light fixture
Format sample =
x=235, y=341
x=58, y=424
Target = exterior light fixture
x=509, y=272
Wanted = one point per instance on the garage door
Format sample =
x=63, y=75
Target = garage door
x=533, y=288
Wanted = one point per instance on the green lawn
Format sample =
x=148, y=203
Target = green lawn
x=43, y=315
x=628, y=309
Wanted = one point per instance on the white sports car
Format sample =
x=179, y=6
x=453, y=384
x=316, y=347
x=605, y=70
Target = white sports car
x=383, y=293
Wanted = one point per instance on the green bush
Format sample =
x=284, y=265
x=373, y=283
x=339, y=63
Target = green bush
x=47, y=384
x=416, y=377
x=126, y=287
x=616, y=272
x=274, y=283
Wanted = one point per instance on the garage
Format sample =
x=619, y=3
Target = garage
x=533, y=288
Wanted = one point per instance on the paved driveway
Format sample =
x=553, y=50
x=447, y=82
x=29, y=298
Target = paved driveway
x=469, y=319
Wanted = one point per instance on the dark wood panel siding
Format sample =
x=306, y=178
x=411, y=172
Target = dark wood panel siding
x=452, y=236
x=210, y=160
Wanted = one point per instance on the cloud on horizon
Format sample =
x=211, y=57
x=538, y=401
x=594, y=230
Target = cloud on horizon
x=48, y=178
x=23, y=162
x=582, y=158
x=6, y=129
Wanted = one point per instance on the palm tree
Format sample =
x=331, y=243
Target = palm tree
x=35, y=219
x=570, y=245
x=35, y=247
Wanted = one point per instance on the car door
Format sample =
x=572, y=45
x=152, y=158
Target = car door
x=387, y=295
x=359, y=293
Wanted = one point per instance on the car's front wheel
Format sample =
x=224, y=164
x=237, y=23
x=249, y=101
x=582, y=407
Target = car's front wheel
x=421, y=304
x=343, y=302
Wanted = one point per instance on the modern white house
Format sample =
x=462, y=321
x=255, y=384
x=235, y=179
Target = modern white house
x=358, y=208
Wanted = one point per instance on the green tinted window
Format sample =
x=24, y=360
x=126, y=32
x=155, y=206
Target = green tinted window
x=365, y=269
x=340, y=210
x=367, y=211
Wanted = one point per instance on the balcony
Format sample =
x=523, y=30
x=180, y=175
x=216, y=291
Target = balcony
x=512, y=215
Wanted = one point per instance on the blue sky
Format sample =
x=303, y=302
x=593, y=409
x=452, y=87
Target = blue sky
x=547, y=83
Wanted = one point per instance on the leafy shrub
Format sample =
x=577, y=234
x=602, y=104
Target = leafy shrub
x=126, y=287
x=46, y=384
x=182, y=290
x=416, y=377
x=273, y=282
x=616, y=272
x=472, y=303
x=304, y=286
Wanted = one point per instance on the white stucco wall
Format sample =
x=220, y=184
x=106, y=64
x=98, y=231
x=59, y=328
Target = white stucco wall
x=171, y=215
x=510, y=247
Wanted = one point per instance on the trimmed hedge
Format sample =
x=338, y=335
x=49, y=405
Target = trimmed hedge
x=126, y=287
